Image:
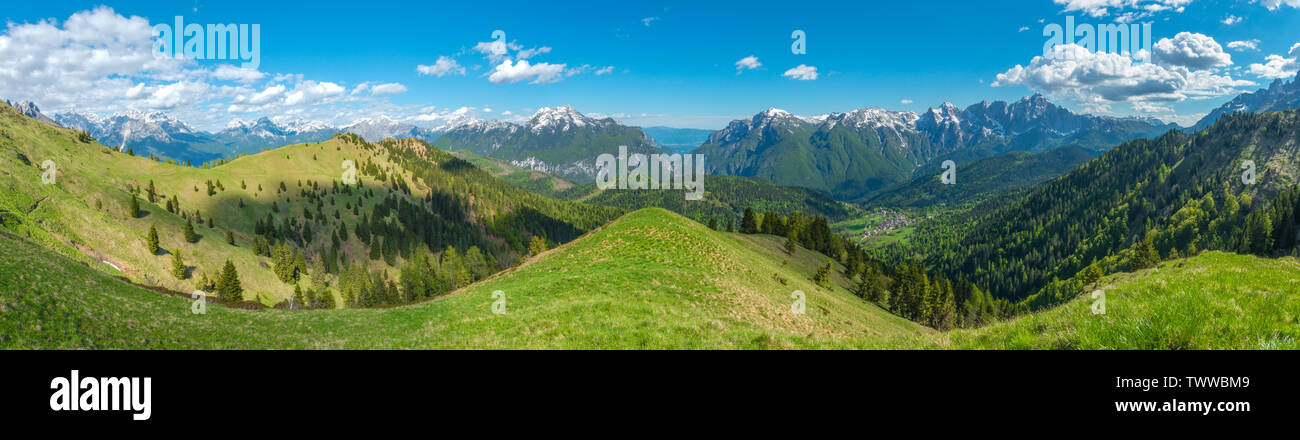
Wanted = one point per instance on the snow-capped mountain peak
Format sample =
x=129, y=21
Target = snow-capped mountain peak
x=560, y=118
x=874, y=117
x=380, y=127
x=305, y=126
x=238, y=123
x=29, y=108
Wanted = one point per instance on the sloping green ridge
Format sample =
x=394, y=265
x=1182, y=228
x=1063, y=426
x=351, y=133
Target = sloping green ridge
x=625, y=286
x=1214, y=301
x=651, y=279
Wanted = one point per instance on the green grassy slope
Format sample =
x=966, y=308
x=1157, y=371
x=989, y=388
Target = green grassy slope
x=619, y=287
x=84, y=215
x=649, y=280
x=1213, y=301
x=88, y=205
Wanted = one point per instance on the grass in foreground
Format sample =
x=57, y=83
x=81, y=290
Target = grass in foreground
x=655, y=280
x=1213, y=301
x=649, y=280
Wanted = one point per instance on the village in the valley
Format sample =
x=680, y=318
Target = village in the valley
x=889, y=221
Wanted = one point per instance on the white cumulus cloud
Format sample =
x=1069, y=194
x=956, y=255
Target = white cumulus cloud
x=802, y=73
x=1244, y=45
x=312, y=92
x=387, y=89
x=1130, y=9
x=1102, y=78
x=1273, y=5
x=444, y=66
x=1278, y=66
x=748, y=63
x=1192, y=50
x=509, y=72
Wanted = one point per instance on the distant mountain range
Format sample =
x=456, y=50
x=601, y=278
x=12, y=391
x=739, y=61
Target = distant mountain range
x=164, y=135
x=854, y=153
x=555, y=140
x=1278, y=96
x=145, y=133
x=848, y=155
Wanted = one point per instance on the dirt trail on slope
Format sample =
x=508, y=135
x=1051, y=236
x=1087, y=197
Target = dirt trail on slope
x=122, y=267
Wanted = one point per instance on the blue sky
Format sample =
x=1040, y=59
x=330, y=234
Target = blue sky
x=667, y=63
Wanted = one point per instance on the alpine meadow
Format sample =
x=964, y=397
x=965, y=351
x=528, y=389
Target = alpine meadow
x=361, y=190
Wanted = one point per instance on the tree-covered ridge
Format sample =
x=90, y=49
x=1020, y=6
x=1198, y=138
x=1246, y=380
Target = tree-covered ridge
x=905, y=289
x=281, y=225
x=839, y=160
x=981, y=179
x=1015, y=247
x=533, y=181
x=726, y=198
x=464, y=225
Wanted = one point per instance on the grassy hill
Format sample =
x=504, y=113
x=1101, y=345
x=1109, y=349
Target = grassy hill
x=616, y=287
x=407, y=192
x=1212, y=301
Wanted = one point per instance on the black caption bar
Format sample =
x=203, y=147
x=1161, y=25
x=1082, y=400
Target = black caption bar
x=325, y=389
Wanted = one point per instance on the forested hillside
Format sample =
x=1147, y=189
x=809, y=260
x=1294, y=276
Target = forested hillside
x=981, y=179
x=280, y=226
x=727, y=197
x=1141, y=202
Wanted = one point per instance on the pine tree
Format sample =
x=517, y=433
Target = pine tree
x=1260, y=232
x=1092, y=273
x=864, y=289
x=151, y=241
x=190, y=236
x=204, y=284
x=537, y=245
x=1144, y=254
x=283, y=265
x=299, y=264
x=153, y=195
x=134, y=209
x=375, y=250
x=298, y=300
x=791, y=240
x=713, y=223
x=748, y=223
x=228, y=288
x=178, y=266
x=230, y=237
x=874, y=290
x=823, y=275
